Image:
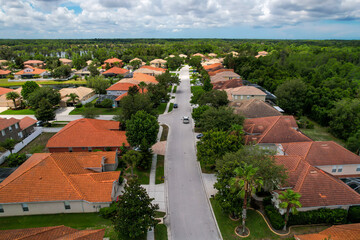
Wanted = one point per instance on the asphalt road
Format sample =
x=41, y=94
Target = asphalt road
x=189, y=212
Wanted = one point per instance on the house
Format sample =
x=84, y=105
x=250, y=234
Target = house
x=244, y=93
x=52, y=183
x=113, y=62
x=83, y=72
x=120, y=90
x=262, y=54
x=158, y=63
x=138, y=59
x=234, y=54
x=213, y=67
x=86, y=135
x=89, y=62
x=149, y=70
x=213, y=73
x=254, y=108
x=9, y=103
x=83, y=93
x=224, y=76
x=17, y=129
x=213, y=55
x=53, y=232
x=212, y=61
x=3, y=63
x=336, y=232
x=199, y=55
x=34, y=63
x=277, y=129
x=182, y=55
x=65, y=61
x=115, y=71
x=140, y=77
x=233, y=83
x=171, y=56
x=4, y=73
x=30, y=72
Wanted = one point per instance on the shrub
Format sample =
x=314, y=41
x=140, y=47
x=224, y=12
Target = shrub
x=354, y=214
x=267, y=201
x=10, y=76
x=323, y=215
x=107, y=103
x=15, y=159
x=108, y=212
x=88, y=105
x=78, y=105
x=276, y=220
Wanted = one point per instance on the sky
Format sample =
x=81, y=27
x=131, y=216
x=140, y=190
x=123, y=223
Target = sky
x=262, y=19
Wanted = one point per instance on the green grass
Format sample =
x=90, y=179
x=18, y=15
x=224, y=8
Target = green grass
x=159, y=214
x=98, y=111
x=320, y=133
x=175, y=88
x=169, y=89
x=161, y=232
x=5, y=83
x=161, y=108
x=171, y=107
x=18, y=112
x=38, y=145
x=164, y=133
x=160, y=170
x=143, y=175
x=196, y=89
x=255, y=223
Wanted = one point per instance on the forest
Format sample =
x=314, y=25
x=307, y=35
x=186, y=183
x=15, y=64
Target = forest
x=314, y=78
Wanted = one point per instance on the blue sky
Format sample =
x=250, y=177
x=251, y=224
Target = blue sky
x=276, y=19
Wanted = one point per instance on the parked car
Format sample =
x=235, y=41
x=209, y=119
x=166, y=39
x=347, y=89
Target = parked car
x=40, y=123
x=199, y=136
x=175, y=105
x=186, y=120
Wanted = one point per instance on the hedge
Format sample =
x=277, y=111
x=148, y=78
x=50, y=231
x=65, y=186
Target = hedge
x=354, y=214
x=275, y=218
x=323, y=215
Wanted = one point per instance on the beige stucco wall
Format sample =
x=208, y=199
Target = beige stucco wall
x=349, y=169
x=15, y=209
x=238, y=98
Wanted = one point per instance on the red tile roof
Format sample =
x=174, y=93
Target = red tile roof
x=321, y=153
x=120, y=86
x=5, y=90
x=60, y=177
x=27, y=122
x=232, y=83
x=35, y=71
x=4, y=72
x=337, y=232
x=254, y=108
x=154, y=68
x=213, y=67
x=140, y=77
x=7, y=122
x=33, y=62
x=113, y=60
x=278, y=129
x=89, y=133
x=121, y=96
x=55, y=233
x=116, y=70
x=213, y=73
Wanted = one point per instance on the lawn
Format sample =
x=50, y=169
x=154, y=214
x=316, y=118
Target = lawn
x=6, y=83
x=98, y=111
x=161, y=108
x=143, y=175
x=164, y=133
x=320, y=133
x=38, y=144
x=18, y=112
x=160, y=170
x=161, y=232
x=196, y=89
x=159, y=214
x=171, y=107
x=174, y=89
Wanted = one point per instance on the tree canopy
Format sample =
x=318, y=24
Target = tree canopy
x=28, y=88
x=51, y=95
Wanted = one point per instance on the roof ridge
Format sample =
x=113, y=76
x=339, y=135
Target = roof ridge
x=266, y=131
x=51, y=228
x=306, y=172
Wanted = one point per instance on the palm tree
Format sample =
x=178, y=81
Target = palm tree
x=289, y=201
x=142, y=86
x=73, y=97
x=132, y=157
x=246, y=181
x=12, y=96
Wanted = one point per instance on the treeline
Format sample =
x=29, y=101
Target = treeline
x=321, y=82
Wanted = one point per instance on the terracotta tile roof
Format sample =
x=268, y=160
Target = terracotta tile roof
x=113, y=60
x=27, y=122
x=134, y=59
x=199, y=55
x=120, y=86
x=116, y=70
x=183, y=55
x=337, y=232
x=140, y=77
x=60, y=177
x=35, y=71
x=212, y=54
x=278, y=129
x=243, y=91
x=80, y=91
x=154, y=68
x=232, y=83
x=4, y=72
x=33, y=62
x=121, y=96
x=55, y=233
x=7, y=122
x=5, y=90
x=158, y=61
x=321, y=153
x=213, y=73
x=65, y=60
x=213, y=67
x=89, y=133
x=254, y=108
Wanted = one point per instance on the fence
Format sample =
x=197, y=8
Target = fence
x=22, y=144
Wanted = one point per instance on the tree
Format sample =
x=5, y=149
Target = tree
x=9, y=144
x=135, y=64
x=207, y=86
x=132, y=157
x=174, y=62
x=195, y=62
x=214, y=98
x=197, y=112
x=106, y=103
x=142, y=125
x=12, y=96
x=89, y=112
x=353, y=142
x=221, y=118
x=291, y=96
x=98, y=83
x=157, y=93
x=142, y=86
x=15, y=159
x=53, y=96
x=45, y=111
x=167, y=79
x=132, y=104
x=135, y=213
x=62, y=71
x=93, y=70
x=73, y=97
x=28, y=88
x=244, y=183
x=133, y=90
x=289, y=201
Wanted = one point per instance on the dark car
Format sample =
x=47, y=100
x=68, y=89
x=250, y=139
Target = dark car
x=199, y=136
x=175, y=105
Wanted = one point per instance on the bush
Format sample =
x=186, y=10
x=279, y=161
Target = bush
x=108, y=212
x=10, y=76
x=15, y=159
x=323, y=215
x=78, y=105
x=74, y=77
x=267, y=201
x=107, y=103
x=354, y=214
x=303, y=123
x=276, y=220
x=88, y=105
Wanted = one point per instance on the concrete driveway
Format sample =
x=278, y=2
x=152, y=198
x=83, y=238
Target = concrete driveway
x=189, y=213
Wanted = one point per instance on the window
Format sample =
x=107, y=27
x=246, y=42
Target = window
x=340, y=168
x=25, y=207
x=248, y=97
x=333, y=169
x=67, y=205
x=10, y=129
x=20, y=134
x=16, y=125
x=89, y=149
x=358, y=168
x=83, y=148
x=70, y=149
x=3, y=132
x=1, y=209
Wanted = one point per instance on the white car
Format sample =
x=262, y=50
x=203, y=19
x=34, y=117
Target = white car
x=186, y=120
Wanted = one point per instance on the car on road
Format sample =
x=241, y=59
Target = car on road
x=186, y=120
x=199, y=136
x=175, y=105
